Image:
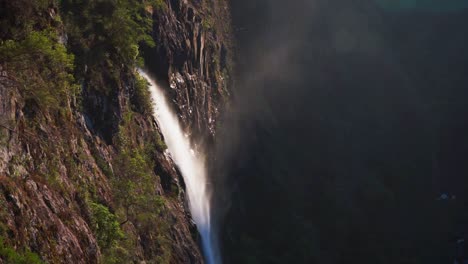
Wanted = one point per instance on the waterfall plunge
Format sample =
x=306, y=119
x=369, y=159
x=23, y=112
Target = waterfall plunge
x=191, y=164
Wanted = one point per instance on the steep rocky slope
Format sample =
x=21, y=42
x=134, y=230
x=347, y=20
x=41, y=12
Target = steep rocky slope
x=85, y=177
x=193, y=58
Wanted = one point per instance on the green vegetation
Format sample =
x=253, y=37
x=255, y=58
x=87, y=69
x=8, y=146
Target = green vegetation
x=134, y=185
x=106, y=37
x=105, y=226
x=142, y=98
x=158, y=4
x=21, y=17
x=160, y=144
x=11, y=256
x=134, y=180
x=165, y=248
x=41, y=68
x=141, y=103
x=108, y=30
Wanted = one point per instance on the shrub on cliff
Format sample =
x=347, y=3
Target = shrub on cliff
x=108, y=29
x=12, y=256
x=134, y=185
x=105, y=225
x=19, y=17
x=141, y=99
x=41, y=68
x=134, y=179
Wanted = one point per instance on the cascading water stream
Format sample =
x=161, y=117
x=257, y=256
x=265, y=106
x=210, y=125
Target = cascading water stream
x=191, y=164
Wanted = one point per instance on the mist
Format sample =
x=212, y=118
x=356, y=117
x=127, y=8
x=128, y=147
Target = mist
x=347, y=124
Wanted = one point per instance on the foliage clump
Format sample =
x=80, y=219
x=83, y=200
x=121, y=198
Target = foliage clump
x=142, y=98
x=105, y=225
x=20, y=17
x=41, y=68
x=134, y=179
x=12, y=256
x=109, y=29
x=137, y=201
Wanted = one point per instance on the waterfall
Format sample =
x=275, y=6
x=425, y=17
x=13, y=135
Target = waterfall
x=190, y=162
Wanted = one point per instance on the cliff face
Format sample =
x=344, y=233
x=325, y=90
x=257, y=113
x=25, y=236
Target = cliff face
x=192, y=57
x=84, y=175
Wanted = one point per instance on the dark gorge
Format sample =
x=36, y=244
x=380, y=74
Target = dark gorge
x=350, y=124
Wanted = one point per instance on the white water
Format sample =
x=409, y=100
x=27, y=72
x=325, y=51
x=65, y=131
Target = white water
x=191, y=164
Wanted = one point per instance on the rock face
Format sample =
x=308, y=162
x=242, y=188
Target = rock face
x=192, y=57
x=53, y=166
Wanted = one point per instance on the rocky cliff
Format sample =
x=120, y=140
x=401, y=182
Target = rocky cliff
x=85, y=177
x=193, y=59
